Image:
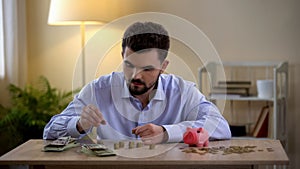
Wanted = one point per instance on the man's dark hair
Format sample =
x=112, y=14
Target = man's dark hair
x=140, y=36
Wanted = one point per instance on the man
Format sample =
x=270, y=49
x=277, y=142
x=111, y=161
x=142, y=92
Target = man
x=139, y=102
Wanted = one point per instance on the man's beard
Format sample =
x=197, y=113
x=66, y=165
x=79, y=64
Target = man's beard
x=138, y=90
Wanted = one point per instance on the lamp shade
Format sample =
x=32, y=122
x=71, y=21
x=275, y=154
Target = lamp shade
x=75, y=12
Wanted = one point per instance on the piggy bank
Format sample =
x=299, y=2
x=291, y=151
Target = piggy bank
x=196, y=137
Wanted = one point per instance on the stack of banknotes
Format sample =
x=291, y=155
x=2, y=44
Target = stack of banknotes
x=61, y=144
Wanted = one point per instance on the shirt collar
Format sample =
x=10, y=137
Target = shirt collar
x=159, y=94
x=125, y=91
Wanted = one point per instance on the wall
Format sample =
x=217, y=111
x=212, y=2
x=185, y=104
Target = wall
x=243, y=30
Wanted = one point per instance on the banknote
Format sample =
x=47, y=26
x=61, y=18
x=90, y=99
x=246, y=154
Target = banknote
x=97, y=149
x=60, y=144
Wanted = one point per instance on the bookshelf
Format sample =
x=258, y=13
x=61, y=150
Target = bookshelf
x=212, y=73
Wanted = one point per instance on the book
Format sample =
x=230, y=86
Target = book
x=230, y=90
x=262, y=124
x=244, y=83
x=232, y=87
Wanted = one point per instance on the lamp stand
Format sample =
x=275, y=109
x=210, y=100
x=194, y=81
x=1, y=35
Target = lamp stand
x=82, y=31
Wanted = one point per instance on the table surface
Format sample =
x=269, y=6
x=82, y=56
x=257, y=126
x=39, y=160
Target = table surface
x=30, y=153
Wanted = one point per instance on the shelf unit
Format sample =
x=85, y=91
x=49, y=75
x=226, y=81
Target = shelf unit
x=212, y=72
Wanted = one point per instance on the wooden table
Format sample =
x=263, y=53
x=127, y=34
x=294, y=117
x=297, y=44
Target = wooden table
x=30, y=154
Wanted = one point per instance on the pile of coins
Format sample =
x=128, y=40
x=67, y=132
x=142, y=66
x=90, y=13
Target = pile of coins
x=223, y=149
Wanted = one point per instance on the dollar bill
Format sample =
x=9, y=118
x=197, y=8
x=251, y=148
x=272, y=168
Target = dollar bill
x=60, y=144
x=97, y=149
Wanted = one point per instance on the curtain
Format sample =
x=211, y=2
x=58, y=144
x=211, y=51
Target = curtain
x=15, y=54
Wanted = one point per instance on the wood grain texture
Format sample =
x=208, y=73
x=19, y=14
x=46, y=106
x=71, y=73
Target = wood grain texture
x=30, y=153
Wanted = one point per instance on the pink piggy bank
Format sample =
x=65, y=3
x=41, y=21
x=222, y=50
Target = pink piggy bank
x=196, y=137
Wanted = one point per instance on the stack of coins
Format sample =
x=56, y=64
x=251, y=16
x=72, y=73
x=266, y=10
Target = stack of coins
x=131, y=144
x=116, y=146
x=121, y=144
x=152, y=146
x=139, y=144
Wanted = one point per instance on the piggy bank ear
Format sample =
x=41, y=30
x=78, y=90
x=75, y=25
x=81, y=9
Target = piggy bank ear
x=188, y=128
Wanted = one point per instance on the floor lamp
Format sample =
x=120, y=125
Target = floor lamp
x=78, y=12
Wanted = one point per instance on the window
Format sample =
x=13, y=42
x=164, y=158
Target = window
x=2, y=68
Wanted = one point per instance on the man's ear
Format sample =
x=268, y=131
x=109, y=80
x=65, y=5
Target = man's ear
x=164, y=65
x=122, y=53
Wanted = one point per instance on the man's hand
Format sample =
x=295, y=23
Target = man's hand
x=90, y=117
x=151, y=133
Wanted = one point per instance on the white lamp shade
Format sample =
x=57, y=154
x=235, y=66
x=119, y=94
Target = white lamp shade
x=74, y=12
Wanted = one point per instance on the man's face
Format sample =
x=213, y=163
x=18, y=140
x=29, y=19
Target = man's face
x=142, y=69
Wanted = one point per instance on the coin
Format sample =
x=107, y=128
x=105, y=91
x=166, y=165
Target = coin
x=152, y=146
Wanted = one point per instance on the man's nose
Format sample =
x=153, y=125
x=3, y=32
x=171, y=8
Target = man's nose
x=136, y=73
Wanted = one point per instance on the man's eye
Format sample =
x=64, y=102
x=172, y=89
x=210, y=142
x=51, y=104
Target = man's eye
x=148, y=69
x=128, y=65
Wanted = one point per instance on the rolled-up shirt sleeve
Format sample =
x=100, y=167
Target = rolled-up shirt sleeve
x=64, y=124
